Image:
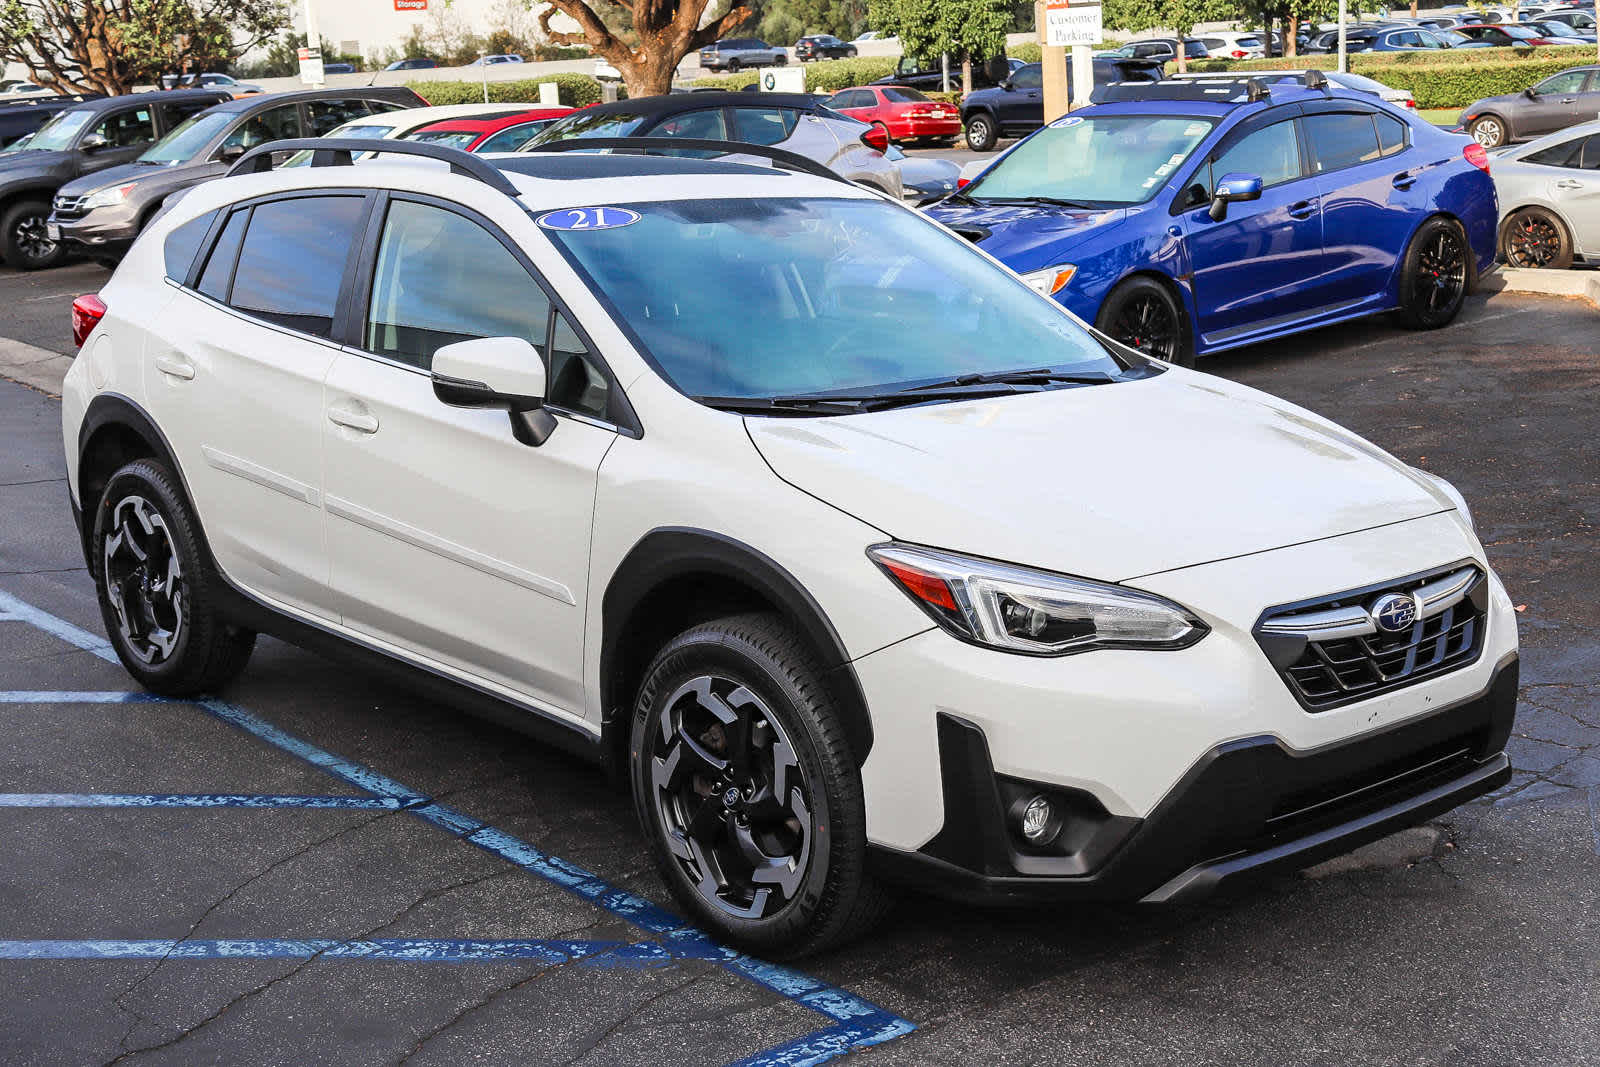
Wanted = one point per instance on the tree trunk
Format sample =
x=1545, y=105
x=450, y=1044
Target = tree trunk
x=1183, y=55
x=647, y=75
x=966, y=75
x=1291, y=36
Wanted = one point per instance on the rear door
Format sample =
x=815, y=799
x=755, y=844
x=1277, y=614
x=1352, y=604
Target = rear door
x=258, y=320
x=447, y=536
x=172, y=113
x=1372, y=196
x=1260, y=264
x=1571, y=183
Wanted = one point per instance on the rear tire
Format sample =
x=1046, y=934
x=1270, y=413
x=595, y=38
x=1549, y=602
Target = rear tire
x=1489, y=131
x=26, y=245
x=157, y=592
x=1434, y=276
x=1535, y=237
x=747, y=791
x=734, y=66
x=1142, y=314
x=981, y=133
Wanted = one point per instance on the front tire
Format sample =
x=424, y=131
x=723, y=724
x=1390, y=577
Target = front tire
x=1489, y=131
x=1434, y=276
x=734, y=66
x=1141, y=313
x=746, y=789
x=981, y=133
x=27, y=245
x=1534, y=237
x=156, y=590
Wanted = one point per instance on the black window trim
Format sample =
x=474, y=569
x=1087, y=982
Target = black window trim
x=342, y=309
x=1346, y=107
x=358, y=289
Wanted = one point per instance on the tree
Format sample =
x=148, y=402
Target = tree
x=963, y=29
x=110, y=46
x=1178, y=16
x=644, y=39
x=785, y=21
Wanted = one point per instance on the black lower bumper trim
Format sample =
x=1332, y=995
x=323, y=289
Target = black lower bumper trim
x=1247, y=808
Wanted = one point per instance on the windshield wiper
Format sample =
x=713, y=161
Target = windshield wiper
x=783, y=405
x=1034, y=376
x=1049, y=201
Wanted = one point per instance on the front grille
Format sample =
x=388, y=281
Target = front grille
x=70, y=207
x=1334, y=651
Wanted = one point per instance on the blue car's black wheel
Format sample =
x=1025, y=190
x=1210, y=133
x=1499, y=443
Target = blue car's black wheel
x=1143, y=314
x=1434, y=276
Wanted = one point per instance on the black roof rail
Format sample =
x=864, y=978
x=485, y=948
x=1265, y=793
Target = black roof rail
x=339, y=152
x=1218, y=88
x=648, y=145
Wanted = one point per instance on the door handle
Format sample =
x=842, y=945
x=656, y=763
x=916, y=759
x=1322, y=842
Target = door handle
x=1404, y=180
x=359, y=421
x=1568, y=183
x=173, y=367
x=1303, y=209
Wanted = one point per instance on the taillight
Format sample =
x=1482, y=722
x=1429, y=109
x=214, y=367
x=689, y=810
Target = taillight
x=87, y=311
x=1477, y=155
x=1538, y=42
x=1238, y=53
x=876, y=139
x=962, y=183
x=1412, y=104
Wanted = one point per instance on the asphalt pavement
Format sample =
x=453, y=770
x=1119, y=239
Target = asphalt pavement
x=327, y=868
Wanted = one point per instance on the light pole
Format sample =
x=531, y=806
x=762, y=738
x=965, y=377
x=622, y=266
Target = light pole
x=313, y=38
x=1342, y=57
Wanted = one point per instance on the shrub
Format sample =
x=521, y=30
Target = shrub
x=1028, y=52
x=826, y=76
x=576, y=90
x=1436, y=79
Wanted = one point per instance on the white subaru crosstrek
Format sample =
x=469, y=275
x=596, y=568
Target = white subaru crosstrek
x=866, y=561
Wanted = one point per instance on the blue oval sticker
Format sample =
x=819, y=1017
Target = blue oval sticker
x=588, y=218
x=1067, y=123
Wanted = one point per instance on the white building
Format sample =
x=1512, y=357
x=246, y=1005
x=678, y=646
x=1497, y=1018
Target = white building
x=368, y=27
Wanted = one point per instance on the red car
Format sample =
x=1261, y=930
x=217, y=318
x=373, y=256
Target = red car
x=905, y=114
x=493, y=133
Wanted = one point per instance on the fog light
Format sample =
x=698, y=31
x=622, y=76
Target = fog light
x=1038, y=821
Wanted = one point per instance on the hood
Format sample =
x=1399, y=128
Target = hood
x=100, y=179
x=1025, y=238
x=1110, y=481
x=27, y=161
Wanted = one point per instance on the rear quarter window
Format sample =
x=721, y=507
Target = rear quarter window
x=183, y=244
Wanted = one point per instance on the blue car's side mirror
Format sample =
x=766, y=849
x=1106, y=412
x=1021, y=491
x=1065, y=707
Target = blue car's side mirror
x=1233, y=189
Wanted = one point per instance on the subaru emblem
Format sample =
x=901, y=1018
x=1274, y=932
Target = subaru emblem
x=1394, y=612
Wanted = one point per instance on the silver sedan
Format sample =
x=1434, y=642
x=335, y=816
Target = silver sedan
x=1549, y=192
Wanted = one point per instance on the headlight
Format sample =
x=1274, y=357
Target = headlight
x=107, y=197
x=1050, y=280
x=1453, y=493
x=1018, y=609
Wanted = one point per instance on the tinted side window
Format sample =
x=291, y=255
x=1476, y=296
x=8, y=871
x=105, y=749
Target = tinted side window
x=128, y=129
x=183, y=243
x=274, y=124
x=218, y=275
x=327, y=114
x=576, y=381
x=512, y=138
x=763, y=125
x=1273, y=152
x=706, y=123
x=442, y=278
x=1568, y=81
x=293, y=261
x=1391, y=134
x=1591, y=153
x=1029, y=77
x=175, y=112
x=1339, y=141
x=1565, y=154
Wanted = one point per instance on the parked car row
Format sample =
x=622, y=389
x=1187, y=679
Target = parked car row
x=850, y=552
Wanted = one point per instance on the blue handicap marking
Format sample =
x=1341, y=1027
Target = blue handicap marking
x=853, y=1023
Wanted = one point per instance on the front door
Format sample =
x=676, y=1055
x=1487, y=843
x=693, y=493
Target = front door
x=1021, y=108
x=1556, y=105
x=448, y=538
x=1259, y=265
x=120, y=137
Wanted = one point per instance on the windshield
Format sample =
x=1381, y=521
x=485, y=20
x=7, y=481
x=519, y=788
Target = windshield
x=187, y=139
x=59, y=131
x=448, y=138
x=591, y=125
x=1105, y=161
x=782, y=297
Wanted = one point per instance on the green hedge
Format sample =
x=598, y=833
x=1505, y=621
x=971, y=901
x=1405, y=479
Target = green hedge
x=1437, y=80
x=825, y=76
x=576, y=90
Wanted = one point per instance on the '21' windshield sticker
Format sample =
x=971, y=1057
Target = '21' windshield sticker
x=588, y=218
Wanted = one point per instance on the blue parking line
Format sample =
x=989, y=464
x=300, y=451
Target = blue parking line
x=47, y=696
x=857, y=1022
x=192, y=800
x=407, y=949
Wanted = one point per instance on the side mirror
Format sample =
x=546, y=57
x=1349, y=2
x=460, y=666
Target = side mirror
x=1234, y=189
x=230, y=152
x=1005, y=83
x=1531, y=93
x=490, y=372
x=94, y=142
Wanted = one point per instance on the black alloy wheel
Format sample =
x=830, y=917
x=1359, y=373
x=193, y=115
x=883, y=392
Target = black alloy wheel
x=144, y=580
x=731, y=797
x=1535, y=238
x=25, y=235
x=1435, y=277
x=1142, y=314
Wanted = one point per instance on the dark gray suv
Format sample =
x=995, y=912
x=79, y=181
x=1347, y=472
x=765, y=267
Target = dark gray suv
x=103, y=213
x=87, y=138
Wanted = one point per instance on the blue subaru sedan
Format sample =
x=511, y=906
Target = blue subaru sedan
x=1191, y=216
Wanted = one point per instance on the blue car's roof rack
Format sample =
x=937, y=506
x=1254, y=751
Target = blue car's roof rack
x=1217, y=88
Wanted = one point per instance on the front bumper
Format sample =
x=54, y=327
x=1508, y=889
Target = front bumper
x=108, y=229
x=1247, y=808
